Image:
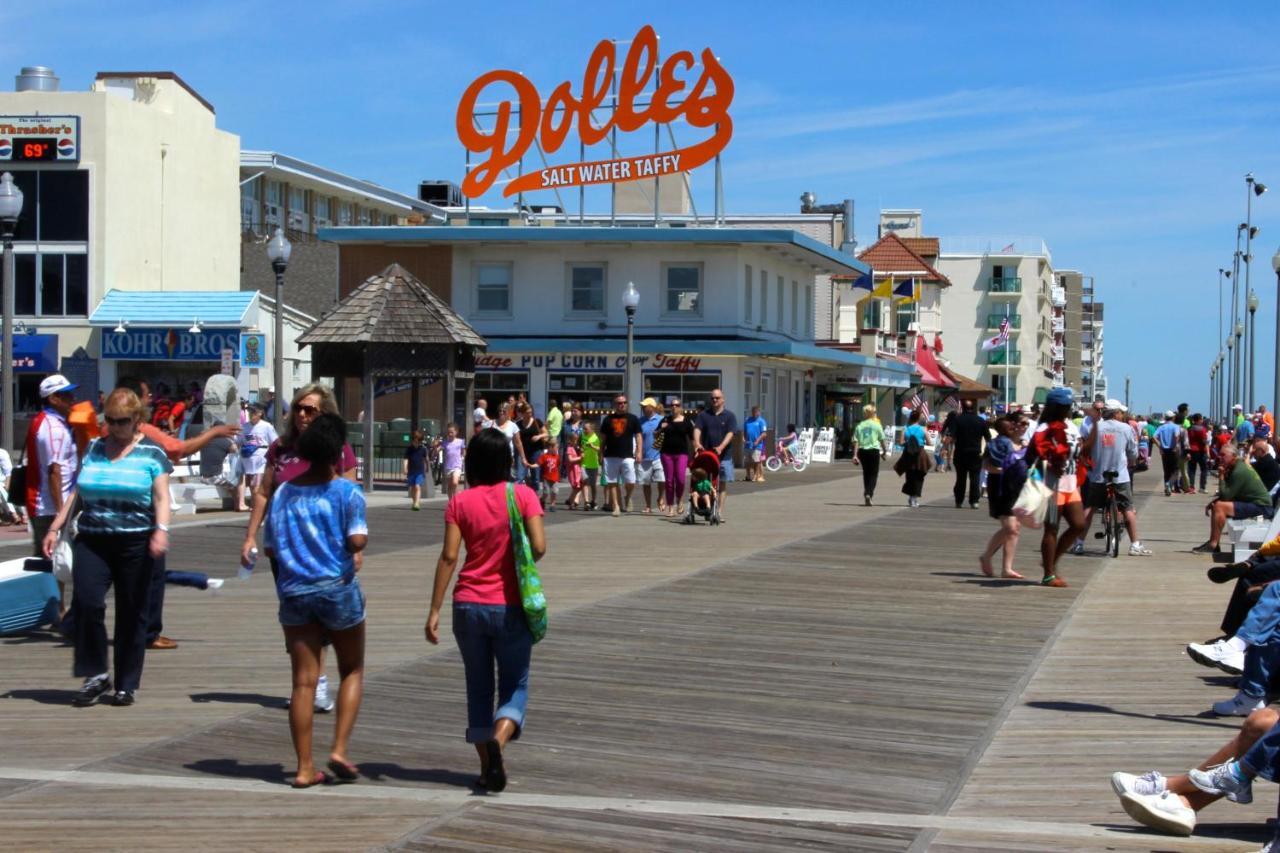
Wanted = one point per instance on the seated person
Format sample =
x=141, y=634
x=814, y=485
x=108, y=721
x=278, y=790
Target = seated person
x=1240, y=495
x=1262, y=456
x=703, y=490
x=1234, y=778
x=1261, y=568
x=1170, y=804
x=1253, y=653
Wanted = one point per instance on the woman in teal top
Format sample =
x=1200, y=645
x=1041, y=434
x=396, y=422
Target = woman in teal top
x=913, y=464
x=123, y=493
x=868, y=442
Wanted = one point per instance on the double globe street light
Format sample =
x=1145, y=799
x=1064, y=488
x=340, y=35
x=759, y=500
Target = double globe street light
x=630, y=301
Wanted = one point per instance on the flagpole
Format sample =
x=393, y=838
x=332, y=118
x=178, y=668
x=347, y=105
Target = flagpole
x=1007, y=336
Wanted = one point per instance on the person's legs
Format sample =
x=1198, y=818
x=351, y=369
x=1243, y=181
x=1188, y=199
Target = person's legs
x=628, y=481
x=1217, y=519
x=962, y=478
x=975, y=473
x=1012, y=529
x=348, y=645
x=669, y=484
x=682, y=474
x=1259, y=666
x=155, y=602
x=513, y=648
x=92, y=578
x=726, y=477
x=303, y=643
x=132, y=571
x=473, y=633
x=1074, y=514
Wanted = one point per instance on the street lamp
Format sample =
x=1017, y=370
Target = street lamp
x=10, y=210
x=1239, y=389
x=1275, y=265
x=278, y=251
x=630, y=301
x=1252, y=303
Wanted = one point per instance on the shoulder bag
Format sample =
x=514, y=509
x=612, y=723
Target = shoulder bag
x=531, y=596
x=1033, y=500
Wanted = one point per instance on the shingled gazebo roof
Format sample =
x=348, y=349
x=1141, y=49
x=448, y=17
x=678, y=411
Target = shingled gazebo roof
x=392, y=307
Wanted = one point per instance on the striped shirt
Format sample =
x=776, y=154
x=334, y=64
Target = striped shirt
x=115, y=495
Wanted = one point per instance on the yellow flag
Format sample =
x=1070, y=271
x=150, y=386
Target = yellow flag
x=884, y=289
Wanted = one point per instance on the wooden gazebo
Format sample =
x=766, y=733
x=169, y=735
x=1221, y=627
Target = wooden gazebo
x=393, y=327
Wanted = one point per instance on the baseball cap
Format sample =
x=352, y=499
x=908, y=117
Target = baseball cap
x=1115, y=405
x=1060, y=395
x=1238, y=406
x=1168, y=413
x=55, y=383
x=650, y=402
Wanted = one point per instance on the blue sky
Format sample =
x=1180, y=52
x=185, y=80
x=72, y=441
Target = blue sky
x=1118, y=132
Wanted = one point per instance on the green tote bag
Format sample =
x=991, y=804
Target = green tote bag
x=535, y=603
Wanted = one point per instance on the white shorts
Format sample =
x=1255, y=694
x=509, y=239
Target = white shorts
x=757, y=455
x=452, y=473
x=650, y=471
x=620, y=469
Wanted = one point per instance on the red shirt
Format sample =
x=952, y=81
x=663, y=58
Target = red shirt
x=286, y=464
x=1198, y=439
x=550, y=464
x=480, y=513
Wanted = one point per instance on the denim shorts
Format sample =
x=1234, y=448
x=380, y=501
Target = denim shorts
x=1245, y=509
x=337, y=607
x=726, y=470
x=415, y=479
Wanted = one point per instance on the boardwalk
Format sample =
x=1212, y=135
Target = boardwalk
x=814, y=673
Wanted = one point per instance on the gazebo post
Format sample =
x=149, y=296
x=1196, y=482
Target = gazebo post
x=415, y=403
x=450, y=387
x=368, y=425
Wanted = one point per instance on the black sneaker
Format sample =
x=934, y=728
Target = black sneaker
x=90, y=691
x=1204, y=548
x=1222, y=574
x=122, y=698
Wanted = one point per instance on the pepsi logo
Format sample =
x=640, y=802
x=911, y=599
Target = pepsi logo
x=6, y=148
x=66, y=147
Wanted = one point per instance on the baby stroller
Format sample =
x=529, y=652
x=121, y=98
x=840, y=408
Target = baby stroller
x=708, y=461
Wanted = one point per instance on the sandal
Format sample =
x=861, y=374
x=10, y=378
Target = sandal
x=321, y=778
x=344, y=771
x=1053, y=581
x=495, y=777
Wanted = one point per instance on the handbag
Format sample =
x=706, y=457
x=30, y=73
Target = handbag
x=62, y=550
x=1033, y=501
x=531, y=596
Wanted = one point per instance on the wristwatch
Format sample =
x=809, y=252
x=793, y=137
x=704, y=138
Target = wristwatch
x=163, y=527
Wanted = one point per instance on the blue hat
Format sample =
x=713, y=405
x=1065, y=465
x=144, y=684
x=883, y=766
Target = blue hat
x=1060, y=395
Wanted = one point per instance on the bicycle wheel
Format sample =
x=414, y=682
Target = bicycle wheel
x=800, y=464
x=1113, y=526
x=774, y=464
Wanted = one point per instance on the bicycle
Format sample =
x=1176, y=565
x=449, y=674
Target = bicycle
x=1112, y=519
x=799, y=460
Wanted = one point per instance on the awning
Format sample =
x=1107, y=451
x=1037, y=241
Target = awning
x=930, y=373
x=35, y=353
x=968, y=387
x=176, y=308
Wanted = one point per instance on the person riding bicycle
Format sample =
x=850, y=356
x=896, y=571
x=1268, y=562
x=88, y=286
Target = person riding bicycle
x=1113, y=449
x=786, y=445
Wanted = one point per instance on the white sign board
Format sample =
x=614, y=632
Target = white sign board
x=228, y=362
x=823, y=450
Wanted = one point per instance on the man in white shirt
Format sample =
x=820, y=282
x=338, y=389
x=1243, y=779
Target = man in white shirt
x=52, y=461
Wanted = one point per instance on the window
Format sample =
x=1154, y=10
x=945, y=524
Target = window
x=55, y=206
x=808, y=310
x=51, y=284
x=782, y=321
x=364, y=216
x=751, y=283
x=496, y=385
x=871, y=315
x=275, y=194
x=593, y=391
x=764, y=297
x=298, y=199
x=693, y=389
x=493, y=288
x=905, y=315
x=586, y=288
x=682, y=288
x=795, y=307
x=322, y=211
x=345, y=215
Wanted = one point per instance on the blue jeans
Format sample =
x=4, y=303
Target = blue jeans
x=1260, y=626
x=1263, y=758
x=487, y=633
x=1259, y=665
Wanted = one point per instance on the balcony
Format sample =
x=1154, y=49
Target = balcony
x=1058, y=325
x=996, y=357
x=1058, y=296
x=1057, y=353
x=1005, y=287
x=994, y=320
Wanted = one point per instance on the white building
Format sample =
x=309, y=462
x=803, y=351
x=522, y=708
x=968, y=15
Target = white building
x=991, y=279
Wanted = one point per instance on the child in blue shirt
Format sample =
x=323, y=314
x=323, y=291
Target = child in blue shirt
x=317, y=528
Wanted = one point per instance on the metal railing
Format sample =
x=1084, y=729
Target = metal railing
x=994, y=320
x=997, y=357
x=1004, y=285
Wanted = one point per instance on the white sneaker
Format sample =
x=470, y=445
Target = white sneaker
x=1219, y=654
x=1151, y=782
x=1240, y=705
x=215, y=584
x=1164, y=812
x=1137, y=549
x=1219, y=779
x=323, y=703
x=1077, y=549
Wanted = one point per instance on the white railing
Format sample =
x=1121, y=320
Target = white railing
x=1058, y=296
x=1012, y=246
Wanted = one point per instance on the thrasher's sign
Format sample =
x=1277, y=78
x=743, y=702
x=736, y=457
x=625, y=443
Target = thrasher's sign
x=704, y=106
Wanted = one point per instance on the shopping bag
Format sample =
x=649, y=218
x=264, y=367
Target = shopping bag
x=531, y=596
x=1033, y=501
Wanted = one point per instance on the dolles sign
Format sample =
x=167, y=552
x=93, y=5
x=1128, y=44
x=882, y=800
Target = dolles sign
x=702, y=102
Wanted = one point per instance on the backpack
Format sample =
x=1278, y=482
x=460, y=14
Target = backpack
x=911, y=446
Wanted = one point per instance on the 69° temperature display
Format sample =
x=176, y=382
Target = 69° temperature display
x=35, y=149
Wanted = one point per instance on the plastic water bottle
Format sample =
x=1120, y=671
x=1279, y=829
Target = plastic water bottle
x=246, y=572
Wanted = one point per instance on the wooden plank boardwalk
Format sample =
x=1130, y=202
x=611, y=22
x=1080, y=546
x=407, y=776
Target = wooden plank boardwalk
x=813, y=674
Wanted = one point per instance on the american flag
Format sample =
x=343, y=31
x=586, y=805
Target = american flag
x=916, y=403
x=951, y=402
x=1007, y=249
x=1000, y=339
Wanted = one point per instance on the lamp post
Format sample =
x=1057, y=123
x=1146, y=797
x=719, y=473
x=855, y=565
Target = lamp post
x=630, y=301
x=1275, y=391
x=10, y=210
x=278, y=251
x=1239, y=389
x=1252, y=303
x=1231, y=388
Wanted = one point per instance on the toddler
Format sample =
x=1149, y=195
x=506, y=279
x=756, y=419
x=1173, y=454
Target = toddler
x=702, y=491
x=550, y=465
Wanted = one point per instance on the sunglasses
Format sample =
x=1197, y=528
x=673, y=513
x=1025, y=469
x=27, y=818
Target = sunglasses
x=117, y=422
x=309, y=411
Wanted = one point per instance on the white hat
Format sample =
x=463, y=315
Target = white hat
x=1169, y=414
x=55, y=383
x=1115, y=405
x=1238, y=406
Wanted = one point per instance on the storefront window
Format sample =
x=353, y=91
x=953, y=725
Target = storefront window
x=683, y=286
x=593, y=391
x=497, y=385
x=693, y=389
x=586, y=288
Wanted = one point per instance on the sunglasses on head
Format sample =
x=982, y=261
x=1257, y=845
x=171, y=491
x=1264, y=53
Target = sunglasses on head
x=125, y=421
x=307, y=410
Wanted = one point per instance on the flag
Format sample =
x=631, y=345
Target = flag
x=884, y=289
x=924, y=409
x=1007, y=249
x=862, y=282
x=951, y=402
x=1000, y=339
x=905, y=288
x=914, y=402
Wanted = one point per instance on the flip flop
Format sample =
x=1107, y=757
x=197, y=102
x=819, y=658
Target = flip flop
x=321, y=778
x=344, y=771
x=495, y=778
x=1053, y=581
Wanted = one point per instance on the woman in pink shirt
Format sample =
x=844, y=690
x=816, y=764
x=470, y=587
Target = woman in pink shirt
x=488, y=617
